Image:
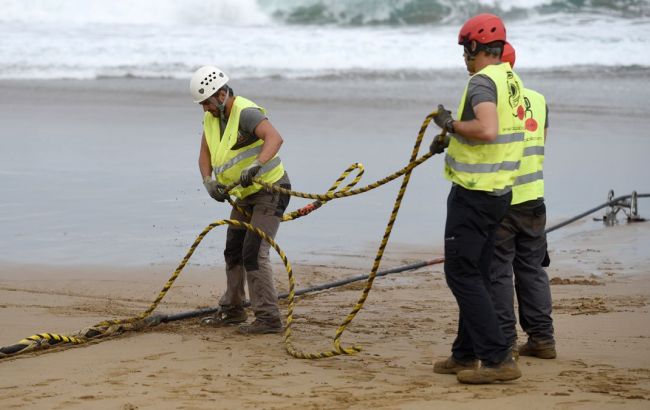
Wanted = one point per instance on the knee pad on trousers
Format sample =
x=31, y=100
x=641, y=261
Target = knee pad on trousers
x=234, y=244
x=283, y=201
x=250, y=252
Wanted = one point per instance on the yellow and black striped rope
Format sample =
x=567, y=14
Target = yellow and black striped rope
x=380, y=252
x=343, y=193
x=107, y=327
x=309, y=208
x=406, y=171
x=50, y=337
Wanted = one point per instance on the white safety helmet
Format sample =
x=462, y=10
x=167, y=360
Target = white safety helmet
x=206, y=81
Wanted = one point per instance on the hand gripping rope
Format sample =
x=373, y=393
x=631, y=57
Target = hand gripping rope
x=145, y=319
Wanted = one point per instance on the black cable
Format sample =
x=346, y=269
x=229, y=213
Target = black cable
x=416, y=265
x=592, y=210
x=208, y=311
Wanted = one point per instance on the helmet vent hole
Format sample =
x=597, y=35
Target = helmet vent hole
x=480, y=31
x=493, y=29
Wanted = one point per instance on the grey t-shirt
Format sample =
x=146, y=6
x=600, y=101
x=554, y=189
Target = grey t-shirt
x=481, y=88
x=546, y=123
x=249, y=119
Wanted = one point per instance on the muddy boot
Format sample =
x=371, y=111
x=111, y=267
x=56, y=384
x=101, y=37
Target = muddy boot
x=500, y=372
x=453, y=366
x=515, y=351
x=226, y=316
x=541, y=349
x=259, y=327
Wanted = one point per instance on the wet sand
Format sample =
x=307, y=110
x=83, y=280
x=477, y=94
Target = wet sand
x=101, y=199
x=105, y=171
x=600, y=311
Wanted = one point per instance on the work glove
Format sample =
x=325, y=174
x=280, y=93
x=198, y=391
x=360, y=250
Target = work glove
x=443, y=119
x=248, y=173
x=215, y=189
x=440, y=142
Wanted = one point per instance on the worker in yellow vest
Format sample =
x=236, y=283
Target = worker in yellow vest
x=521, y=241
x=484, y=152
x=238, y=144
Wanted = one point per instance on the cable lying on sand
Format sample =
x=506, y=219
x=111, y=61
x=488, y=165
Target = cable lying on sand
x=612, y=202
x=112, y=327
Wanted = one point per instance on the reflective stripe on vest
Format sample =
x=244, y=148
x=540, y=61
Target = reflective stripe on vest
x=246, y=154
x=501, y=139
x=227, y=164
x=528, y=151
x=491, y=165
x=482, y=168
x=529, y=184
x=524, y=179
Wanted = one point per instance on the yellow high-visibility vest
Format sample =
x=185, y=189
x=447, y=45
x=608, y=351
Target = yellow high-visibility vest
x=227, y=164
x=529, y=183
x=491, y=166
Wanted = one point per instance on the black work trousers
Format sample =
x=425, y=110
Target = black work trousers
x=521, y=248
x=472, y=220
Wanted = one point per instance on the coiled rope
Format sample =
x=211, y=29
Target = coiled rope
x=144, y=319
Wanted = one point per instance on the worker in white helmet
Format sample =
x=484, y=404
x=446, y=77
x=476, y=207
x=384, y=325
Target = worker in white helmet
x=239, y=143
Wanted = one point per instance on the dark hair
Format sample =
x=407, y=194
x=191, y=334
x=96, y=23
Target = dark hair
x=227, y=89
x=494, y=48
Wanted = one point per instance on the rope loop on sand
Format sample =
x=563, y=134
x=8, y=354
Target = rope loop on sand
x=145, y=319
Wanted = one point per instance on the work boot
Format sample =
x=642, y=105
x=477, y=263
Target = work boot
x=486, y=374
x=226, y=316
x=541, y=349
x=259, y=327
x=453, y=366
x=515, y=351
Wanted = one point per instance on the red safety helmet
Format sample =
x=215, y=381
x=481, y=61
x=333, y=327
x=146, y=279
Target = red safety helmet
x=484, y=28
x=509, y=55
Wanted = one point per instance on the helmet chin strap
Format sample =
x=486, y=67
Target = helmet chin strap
x=471, y=49
x=222, y=106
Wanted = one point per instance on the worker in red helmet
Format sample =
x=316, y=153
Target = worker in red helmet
x=484, y=148
x=509, y=55
x=521, y=242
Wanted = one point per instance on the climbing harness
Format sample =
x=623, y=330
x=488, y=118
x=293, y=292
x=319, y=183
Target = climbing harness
x=111, y=327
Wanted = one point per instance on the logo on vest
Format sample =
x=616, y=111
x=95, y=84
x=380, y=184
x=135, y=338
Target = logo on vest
x=514, y=95
x=531, y=123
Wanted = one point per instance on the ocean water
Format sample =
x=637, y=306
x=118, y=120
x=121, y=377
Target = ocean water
x=105, y=171
x=78, y=191
x=82, y=39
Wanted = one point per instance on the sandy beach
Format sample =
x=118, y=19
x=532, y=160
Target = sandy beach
x=601, y=300
x=102, y=199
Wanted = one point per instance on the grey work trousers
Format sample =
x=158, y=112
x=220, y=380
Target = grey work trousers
x=247, y=254
x=521, y=249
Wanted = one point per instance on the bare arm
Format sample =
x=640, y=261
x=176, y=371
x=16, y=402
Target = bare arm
x=205, y=163
x=485, y=127
x=272, y=141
